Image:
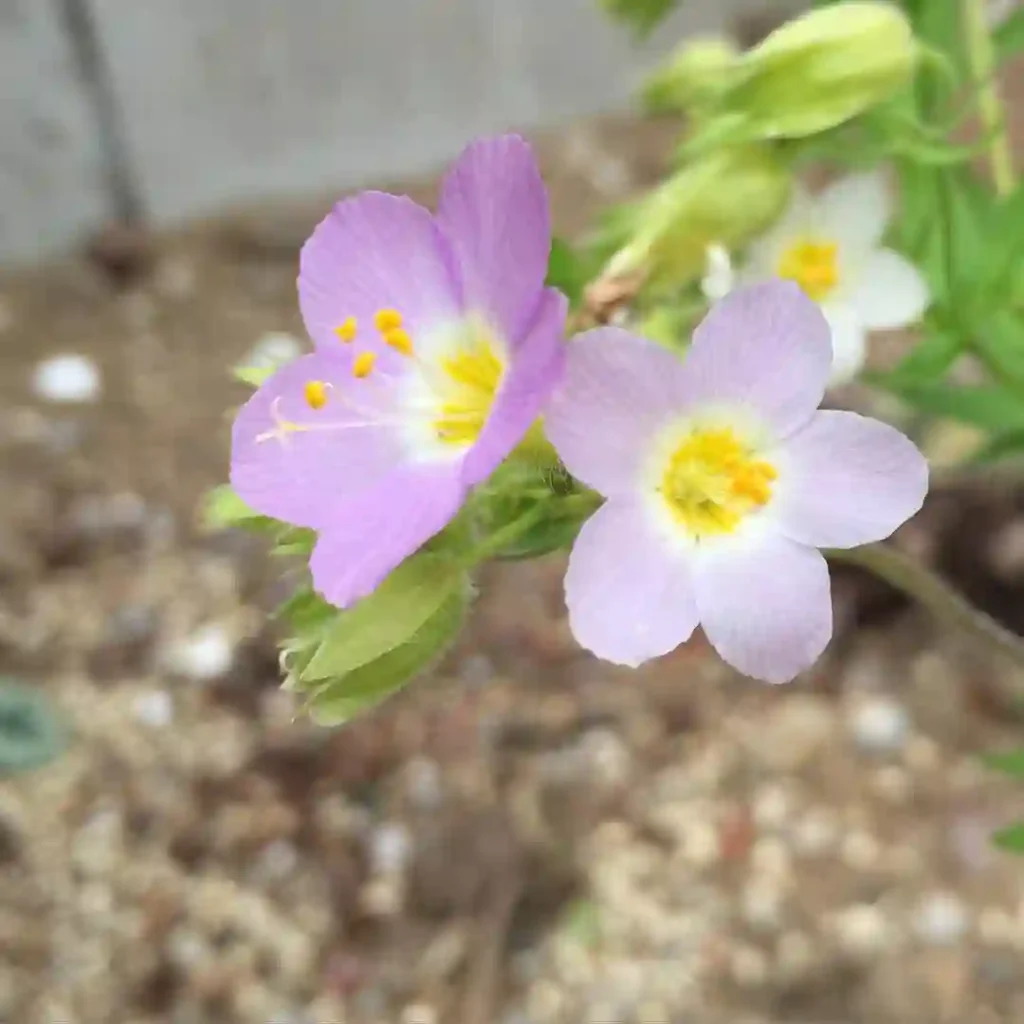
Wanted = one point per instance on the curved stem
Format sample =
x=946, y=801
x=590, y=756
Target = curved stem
x=982, y=60
x=933, y=593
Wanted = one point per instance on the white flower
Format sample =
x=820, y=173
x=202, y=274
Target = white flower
x=830, y=244
x=719, y=278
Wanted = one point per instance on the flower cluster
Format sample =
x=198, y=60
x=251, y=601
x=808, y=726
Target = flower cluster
x=439, y=347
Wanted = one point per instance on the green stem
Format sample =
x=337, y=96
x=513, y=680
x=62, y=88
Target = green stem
x=935, y=594
x=494, y=543
x=981, y=56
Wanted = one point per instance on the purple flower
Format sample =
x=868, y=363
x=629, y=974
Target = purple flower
x=722, y=481
x=436, y=346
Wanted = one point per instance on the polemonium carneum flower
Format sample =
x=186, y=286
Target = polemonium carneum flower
x=436, y=346
x=722, y=480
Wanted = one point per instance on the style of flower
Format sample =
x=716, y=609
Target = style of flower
x=722, y=480
x=831, y=245
x=437, y=345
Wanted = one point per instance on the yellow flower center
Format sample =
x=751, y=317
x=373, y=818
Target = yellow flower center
x=469, y=380
x=712, y=481
x=813, y=265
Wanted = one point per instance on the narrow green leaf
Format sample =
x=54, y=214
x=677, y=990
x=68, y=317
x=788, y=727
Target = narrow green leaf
x=387, y=618
x=222, y=508
x=1008, y=37
x=1010, y=762
x=340, y=700
x=1011, y=838
x=642, y=16
x=1008, y=445
x=254, y=376
x=566, y=271
x=990, y=407
x=1000, y=342
x=929, y=359
x=294, y=540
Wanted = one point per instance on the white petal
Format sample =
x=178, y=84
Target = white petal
x=849, y=343
x=720, y=278
x=854, y=212
x=888, y=292
x=764, y=253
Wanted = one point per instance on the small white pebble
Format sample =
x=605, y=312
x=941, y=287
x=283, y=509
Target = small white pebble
x=423, y=783
x=816, y=832
x=419, y=1013
x=761, y=905
x=941, y=919
x=772, y=807
x=862, y=929
x=880, y=725
x=155, y=709
x=748, y=966
x=860, y=851
x=278, y=859
x=205, y=655
x=383, y=897
x=66, y=379
x=771, y=858
x=701, y=845
x=390, y=846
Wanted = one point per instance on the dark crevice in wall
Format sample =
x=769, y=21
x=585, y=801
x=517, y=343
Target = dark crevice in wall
x=87, y=49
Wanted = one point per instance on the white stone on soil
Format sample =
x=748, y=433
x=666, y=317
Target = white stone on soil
x=66, y=379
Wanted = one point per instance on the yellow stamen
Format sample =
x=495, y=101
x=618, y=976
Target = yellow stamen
x=346, y=331
x=813, y=265
x=364, y=364
x=399, y=340
x=316, y=393
x=713, y=481
x=387, y=320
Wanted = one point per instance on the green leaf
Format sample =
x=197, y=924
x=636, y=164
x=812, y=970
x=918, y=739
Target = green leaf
x=929, y=359
x=223, y=508
x=387, y=618
x=295, y=540
x=566, y=271
x=1008, y=37
x=999, y=340
x=254, y=376
x=642, y=16
x=999, y=262
x=1009, y=762
x=552, y=533
x=1007, y=445
x=1011, y=838
x=339, y=700
x=990, y=407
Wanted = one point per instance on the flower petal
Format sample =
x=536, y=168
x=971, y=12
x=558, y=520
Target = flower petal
x=535, y=370
x=853, y=212
x=379, y=528
x=849, y=342
x=889, y=291
x=765, y=346
x=619, y=389
x=848, y=480
x=300, y=476
x=493, y=210
x=628, y=592
x=765, y=251
x=764, y=603
x=375, y=251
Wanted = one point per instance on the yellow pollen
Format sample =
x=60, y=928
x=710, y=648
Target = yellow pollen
x=363, y=364
x=713, y=481
x=399, y=340
x=387, y=320
x=813, y=265
x=316, y=394
x=472, y=374
x=346, y=331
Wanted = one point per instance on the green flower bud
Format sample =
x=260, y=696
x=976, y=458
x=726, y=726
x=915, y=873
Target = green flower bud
x=695, y=75
x=724, y=197
x=823, y=68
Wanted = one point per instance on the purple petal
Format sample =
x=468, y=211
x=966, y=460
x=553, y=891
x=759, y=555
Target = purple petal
x=629, y=592
x=372, y=534
x=375, y=251
x=619, y=390
x=767, y=347
x=848, y=480
x=301, y=477
x=493, y=210
x=764, y=603
x=535, y=370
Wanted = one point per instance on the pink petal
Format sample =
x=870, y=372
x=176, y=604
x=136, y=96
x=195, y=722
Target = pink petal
x=302, y=477
x=619, y=390
x=764, y=603
x=767, y=347
x=848, y=480
x=628, y=591
x=379, y=528
x=493, y=210
x=375, y=251
x=536, y=369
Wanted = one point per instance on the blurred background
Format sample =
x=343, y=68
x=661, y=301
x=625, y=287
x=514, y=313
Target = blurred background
x=528, y=836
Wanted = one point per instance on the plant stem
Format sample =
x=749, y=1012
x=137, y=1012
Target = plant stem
x=981, y=56
x=933, y=593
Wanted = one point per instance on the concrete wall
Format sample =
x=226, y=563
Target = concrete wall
x=173, y=108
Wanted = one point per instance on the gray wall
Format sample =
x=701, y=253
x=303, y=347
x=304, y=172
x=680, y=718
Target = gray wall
x=176, y=108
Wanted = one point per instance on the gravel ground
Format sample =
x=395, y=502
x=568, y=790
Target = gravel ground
x=527, y=837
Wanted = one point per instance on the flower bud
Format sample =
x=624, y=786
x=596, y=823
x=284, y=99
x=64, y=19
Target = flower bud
x=695, y=75
x=724, y=197
x=823, y=68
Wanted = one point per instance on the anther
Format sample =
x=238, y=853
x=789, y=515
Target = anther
x=399, y=340
x=316, y=393
x=386, y=320
x=364, y=363
x=346, y=331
